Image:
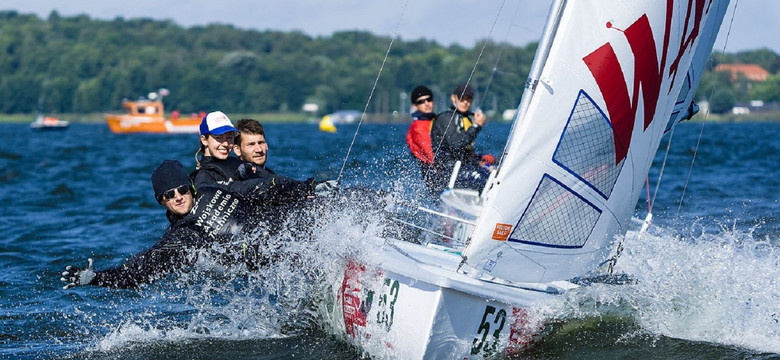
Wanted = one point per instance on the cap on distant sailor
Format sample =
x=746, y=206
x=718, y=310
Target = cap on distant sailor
x=168, y=175
x=419, y=92
x=463, y=90
x=216, y=123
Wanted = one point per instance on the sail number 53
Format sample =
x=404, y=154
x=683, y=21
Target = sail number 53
x=491, y=320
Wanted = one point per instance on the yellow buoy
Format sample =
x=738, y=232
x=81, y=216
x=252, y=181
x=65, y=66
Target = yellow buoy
x=326, y=124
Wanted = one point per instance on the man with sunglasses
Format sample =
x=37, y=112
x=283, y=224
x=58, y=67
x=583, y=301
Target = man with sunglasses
x=214, y=216
x=418, y=137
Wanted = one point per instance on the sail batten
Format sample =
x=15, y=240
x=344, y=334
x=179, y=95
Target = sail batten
x=612, y=80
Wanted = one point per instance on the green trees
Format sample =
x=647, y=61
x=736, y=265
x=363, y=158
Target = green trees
x=82, y=65
x=77, y=64
x=769, y=90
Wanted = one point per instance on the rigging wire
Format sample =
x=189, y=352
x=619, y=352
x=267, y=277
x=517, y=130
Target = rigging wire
x=660, y=173
x=706, y=113
x=427, y=172
x=468, y=81
x=371, y=94
x=498, y=58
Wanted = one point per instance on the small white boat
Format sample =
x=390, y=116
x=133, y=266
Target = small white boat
x=609, y=78
x=48, y=123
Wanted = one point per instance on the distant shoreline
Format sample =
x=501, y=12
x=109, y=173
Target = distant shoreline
x=298, y=118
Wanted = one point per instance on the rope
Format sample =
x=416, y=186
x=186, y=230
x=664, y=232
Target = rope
x=468, y=81
x=371, y=94
x=706, y=113
x=661, y=172
x=427, y=172
x=498, y=58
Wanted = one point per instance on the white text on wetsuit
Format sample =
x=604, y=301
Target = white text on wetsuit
x=216, y=212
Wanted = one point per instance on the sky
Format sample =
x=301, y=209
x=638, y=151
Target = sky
x=754, y=24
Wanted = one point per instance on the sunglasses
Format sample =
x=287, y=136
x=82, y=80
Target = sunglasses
x=183, y=190
x=423, y=101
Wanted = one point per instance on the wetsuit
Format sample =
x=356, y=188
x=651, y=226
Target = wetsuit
x=212, y=171
x=215, y=219
x=452, y=137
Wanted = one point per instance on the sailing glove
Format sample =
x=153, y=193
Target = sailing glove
x=326, y=188
x=74, y=276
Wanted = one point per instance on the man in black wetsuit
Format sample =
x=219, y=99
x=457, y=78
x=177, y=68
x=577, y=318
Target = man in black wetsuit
x=212, y=218
x=452, y=138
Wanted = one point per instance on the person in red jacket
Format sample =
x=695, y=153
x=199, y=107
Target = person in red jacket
x=418, y=137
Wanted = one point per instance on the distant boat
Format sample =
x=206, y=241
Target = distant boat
x=148, y=116
x=345, y=116
x=326, y=124
x=48, y=123
x=43, y=122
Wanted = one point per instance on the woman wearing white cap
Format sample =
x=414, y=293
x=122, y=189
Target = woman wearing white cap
x=216, y=141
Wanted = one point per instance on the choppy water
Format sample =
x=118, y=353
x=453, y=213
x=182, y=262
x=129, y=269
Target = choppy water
x=707, y=273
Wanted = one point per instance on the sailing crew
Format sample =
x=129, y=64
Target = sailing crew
x=216, y=166
x=418, y=137
x=452, y=137
x=250, y=145
x=212, y=218
x=252, y=149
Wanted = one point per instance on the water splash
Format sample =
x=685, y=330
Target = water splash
x=719, y=288
x=286, y=297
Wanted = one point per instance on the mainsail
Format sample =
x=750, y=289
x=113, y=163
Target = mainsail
x=609, y=77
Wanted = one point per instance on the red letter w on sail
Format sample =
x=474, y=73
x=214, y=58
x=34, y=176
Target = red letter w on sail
x=604, y=65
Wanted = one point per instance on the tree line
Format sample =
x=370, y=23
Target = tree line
x=82, y=65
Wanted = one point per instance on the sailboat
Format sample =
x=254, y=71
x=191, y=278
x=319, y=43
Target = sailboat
x=43, y=122
x=48, y=123
x=608, y=80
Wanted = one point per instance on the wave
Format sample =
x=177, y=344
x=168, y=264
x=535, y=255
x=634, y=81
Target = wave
x=288, y=297
x=719, y=288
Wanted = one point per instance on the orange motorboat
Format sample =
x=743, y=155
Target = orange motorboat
x=148, y=116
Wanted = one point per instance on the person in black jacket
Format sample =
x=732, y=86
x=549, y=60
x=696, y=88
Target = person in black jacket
x=216, y=142
x=452, y=138
x=250, y=145
x=213, y=218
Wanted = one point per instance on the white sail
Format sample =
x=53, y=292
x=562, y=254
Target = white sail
x=608, y=78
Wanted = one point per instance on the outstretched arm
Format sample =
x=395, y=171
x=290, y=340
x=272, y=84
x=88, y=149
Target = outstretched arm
x=167, y=255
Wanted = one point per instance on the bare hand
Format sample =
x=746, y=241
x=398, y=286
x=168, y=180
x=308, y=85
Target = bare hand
x=479, y=118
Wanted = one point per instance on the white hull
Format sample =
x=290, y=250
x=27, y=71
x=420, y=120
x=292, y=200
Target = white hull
x=417, y=306
x=45, y=123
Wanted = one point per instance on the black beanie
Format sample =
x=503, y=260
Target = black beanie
x=419, y=92
x=168, y=175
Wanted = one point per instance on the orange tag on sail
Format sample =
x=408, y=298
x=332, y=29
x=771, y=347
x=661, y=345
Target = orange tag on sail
x=501, y=233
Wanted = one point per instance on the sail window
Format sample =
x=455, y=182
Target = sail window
x=556, y=217
x=587, y=147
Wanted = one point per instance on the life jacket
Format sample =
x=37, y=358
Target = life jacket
x=418, y=137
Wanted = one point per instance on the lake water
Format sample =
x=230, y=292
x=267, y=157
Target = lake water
x=708, y=272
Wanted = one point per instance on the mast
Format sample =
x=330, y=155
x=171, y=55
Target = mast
x=542, y=52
